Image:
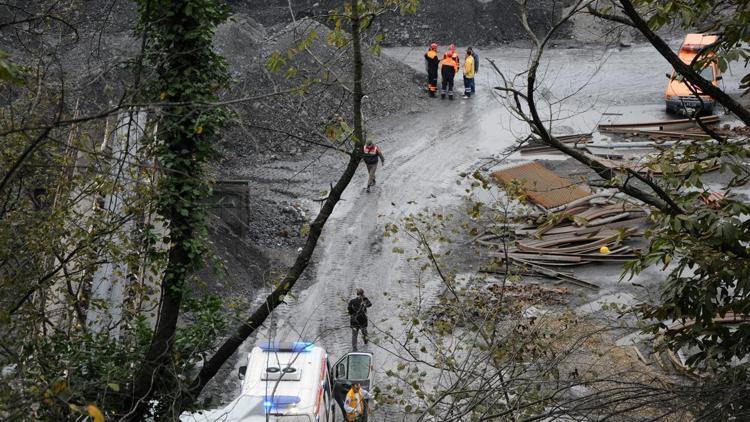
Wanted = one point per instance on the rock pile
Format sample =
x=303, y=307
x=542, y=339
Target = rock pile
x=468, y=22
x=278, y=114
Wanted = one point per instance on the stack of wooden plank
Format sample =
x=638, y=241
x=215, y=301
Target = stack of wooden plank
x=587, y=230
x=665, y=129
x=634, y=140
x=537, y=147
x=655, y=167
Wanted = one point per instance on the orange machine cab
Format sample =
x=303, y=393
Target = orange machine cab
x=679, y=97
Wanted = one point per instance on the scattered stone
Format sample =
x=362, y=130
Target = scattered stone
x=534, y=312
x=603, y=302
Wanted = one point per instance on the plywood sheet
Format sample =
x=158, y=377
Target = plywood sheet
x=542, y=186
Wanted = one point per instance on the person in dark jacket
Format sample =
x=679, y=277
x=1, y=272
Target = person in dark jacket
x=448, y=70
x=432, y=61
x=358, y=316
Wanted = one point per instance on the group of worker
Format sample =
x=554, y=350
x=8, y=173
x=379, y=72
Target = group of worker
x=448, y=67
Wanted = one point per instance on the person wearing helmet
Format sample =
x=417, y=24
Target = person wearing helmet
x=448, y=70
x=454, y=55
x=432, y=61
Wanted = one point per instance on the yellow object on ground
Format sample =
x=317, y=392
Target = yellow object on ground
x=604, y=250
x=95, y=414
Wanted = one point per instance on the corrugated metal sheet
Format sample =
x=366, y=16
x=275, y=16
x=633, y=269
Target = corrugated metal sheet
x=542, y=186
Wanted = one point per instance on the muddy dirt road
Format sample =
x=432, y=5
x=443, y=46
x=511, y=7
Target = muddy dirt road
x=424, y=154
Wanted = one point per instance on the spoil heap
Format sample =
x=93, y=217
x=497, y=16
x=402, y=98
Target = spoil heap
x=310, y=89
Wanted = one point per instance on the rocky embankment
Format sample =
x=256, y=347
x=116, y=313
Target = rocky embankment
x=468, y=22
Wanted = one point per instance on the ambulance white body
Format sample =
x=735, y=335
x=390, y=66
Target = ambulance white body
x=282, y=383
x=291, y=382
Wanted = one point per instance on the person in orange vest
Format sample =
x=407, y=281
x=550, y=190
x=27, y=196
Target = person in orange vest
x=452, y=52
x=432, y=61
x=354, y=404
x=370, y=154
x=448, y=70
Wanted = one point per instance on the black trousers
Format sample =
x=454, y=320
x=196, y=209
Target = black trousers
x=355, y=332
x=447, y=87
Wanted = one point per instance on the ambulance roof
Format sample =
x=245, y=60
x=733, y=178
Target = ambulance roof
x=285, y=373
x=282, y=379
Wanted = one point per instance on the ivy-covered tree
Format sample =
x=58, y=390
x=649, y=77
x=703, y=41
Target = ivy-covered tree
x=185, y=76
x=94, y=185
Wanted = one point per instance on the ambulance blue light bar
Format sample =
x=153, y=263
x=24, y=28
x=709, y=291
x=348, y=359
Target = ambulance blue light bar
x=296, y=347
x=276, y=404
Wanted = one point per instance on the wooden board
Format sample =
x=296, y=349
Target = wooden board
x=542, y=186
x=665, y=123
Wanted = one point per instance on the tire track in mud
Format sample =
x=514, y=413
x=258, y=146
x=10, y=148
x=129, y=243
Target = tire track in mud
x=424, y=153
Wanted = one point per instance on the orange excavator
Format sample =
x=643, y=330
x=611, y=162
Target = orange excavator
x=681, y=96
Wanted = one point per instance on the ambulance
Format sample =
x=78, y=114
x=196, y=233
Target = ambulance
x=292, y=382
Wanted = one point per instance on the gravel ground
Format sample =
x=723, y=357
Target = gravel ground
x=425, y=152
x=478, y=22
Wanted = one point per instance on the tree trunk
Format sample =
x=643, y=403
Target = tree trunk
x=230, y=346
x=188, y=73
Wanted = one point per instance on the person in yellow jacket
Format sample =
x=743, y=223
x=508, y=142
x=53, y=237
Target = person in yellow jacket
x=468, y=74
x=354, y=405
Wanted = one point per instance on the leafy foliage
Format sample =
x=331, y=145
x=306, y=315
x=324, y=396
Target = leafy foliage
x=707, y=245
x=188, y=75
x=78, y=215
x=9, y=71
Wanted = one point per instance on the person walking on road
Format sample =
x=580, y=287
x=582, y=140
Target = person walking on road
x=468, y=74
x=448, y=70
x=354, y=404
x=432, y=61
x=370, y=154
x=358, y=316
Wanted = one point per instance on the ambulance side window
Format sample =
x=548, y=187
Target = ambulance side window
x=341, y=370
